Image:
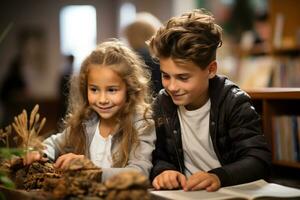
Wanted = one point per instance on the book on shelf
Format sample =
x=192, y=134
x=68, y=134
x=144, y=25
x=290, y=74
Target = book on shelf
x=287, y=137
x=255, y=72
x=286, y=72
x=278, y=30
x=249, y=191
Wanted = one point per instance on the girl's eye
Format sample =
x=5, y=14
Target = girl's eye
x=93, y=89
x=112, y=90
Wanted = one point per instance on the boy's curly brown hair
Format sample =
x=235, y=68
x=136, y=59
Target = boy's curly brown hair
x=193, y=36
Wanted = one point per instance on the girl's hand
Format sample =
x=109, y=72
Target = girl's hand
x=203, y=180
x=31, y=156
x=169, y=179
x=63, y=161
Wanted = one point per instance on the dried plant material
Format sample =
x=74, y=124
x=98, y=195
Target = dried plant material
x=34, y=116
x=77, y=182
x=55, y=186
x=32, y=176
x=81, y=178
x=84, y=168
x=29, y=131
x=42, y=167
x=128, y=185
x=80, y=181
x=80, y=164
x=16, y=163
x=4, y=135
x=37, y=181
x=127, y=180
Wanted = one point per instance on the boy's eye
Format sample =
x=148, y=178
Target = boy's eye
x=183, y=78
x=165, y=76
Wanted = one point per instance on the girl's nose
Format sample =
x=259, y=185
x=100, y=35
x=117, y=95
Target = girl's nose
x=103, y=99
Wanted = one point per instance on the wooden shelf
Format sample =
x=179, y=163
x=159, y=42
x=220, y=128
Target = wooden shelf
x=271, y=102
x=286, y=163
x=287, y=51
x=274, y=93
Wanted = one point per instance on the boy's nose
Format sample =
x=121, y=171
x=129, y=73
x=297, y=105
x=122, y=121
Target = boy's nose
x=172, y=85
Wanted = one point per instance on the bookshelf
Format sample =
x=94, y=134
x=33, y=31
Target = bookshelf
x=273, y=102
x=275, y=89
x=276, y=64
x=279, y=104
x=285, y=42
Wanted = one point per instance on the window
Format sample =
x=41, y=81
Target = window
x=127, y=14
x=78, y=32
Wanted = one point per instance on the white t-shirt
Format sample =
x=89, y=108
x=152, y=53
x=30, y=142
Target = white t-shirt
x=199, y=154
x=100, y=150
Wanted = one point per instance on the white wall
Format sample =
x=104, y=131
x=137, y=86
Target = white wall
x=180, y=6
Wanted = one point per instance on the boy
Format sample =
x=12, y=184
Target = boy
x=208, y=133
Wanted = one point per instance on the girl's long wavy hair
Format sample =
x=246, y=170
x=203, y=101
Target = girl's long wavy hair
x=134, y=73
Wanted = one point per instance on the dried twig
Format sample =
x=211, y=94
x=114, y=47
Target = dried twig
x=4, y=134
x=29, y=131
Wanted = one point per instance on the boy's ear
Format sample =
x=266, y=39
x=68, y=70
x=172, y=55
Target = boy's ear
x=212, y=69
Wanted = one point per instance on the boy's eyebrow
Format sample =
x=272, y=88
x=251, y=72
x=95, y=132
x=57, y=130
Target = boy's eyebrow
x=162, y=71
x=182, y=74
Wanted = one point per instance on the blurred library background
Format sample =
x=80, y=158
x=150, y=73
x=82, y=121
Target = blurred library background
x=43, y=42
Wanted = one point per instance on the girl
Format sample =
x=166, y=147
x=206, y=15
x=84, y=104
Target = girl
x=109, y=117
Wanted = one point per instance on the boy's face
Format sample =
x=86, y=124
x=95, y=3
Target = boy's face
x=106, y=91
x=186, y=83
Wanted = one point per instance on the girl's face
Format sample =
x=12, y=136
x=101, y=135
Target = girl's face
x=106, y=91
x=186, y=83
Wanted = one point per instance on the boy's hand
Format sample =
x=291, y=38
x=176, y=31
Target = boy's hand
x=203, y=180
x=169, y=179
x=32, y=156
x=63, y=161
